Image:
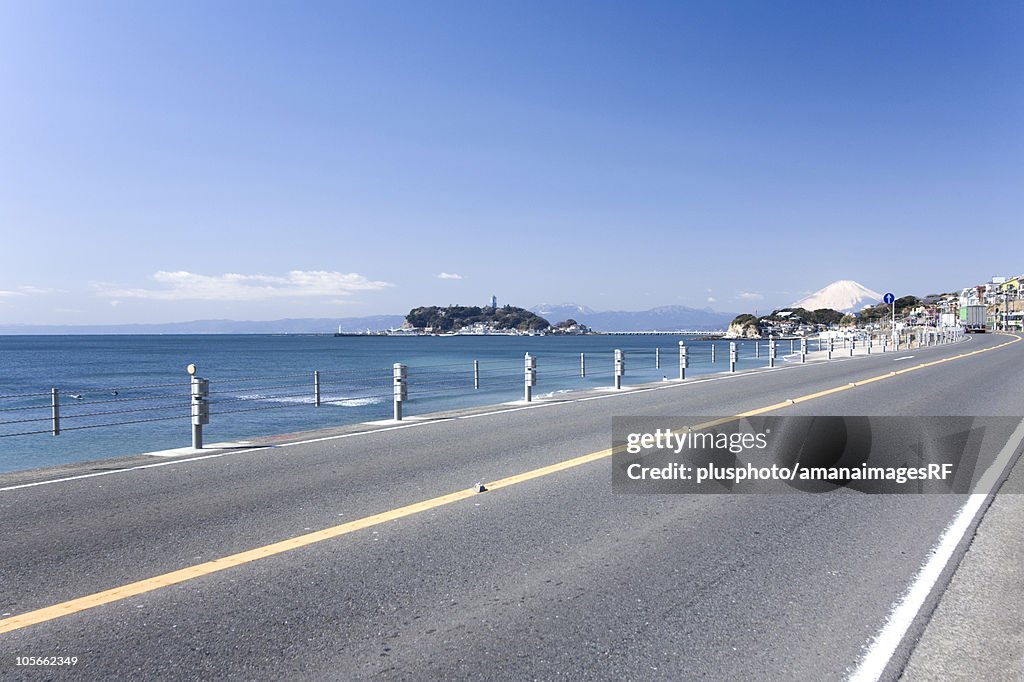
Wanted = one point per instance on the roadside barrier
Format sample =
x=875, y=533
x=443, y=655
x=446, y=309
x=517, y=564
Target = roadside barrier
x=200, y=399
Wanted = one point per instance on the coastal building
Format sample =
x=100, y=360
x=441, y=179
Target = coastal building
x=1010, y=289
x=974, y=295
x=1006, y=306
x=950, y=302
x=992, y=289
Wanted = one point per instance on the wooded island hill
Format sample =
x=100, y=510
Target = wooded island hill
x=483, y=320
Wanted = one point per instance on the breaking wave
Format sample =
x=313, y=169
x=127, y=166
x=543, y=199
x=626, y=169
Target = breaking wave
x=339, y=401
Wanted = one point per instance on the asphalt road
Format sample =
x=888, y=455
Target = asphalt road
x=551, y=577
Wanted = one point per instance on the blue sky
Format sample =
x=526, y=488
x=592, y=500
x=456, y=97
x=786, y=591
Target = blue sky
x=177, y=161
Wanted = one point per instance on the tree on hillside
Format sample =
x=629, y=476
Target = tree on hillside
x=906, y=302
x=874, y=313
x=456, y=317
x=827, y=316
x=744, y=319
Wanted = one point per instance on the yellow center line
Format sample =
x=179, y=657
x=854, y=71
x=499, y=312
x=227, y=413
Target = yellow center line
x=198, y=570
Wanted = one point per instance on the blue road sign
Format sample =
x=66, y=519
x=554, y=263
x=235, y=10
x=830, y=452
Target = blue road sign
x=889, y=298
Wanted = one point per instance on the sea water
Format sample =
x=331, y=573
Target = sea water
x=124, y=395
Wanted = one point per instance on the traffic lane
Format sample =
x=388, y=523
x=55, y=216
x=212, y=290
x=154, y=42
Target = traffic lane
x=141, y=529
x=555, y=577
x=102, y=534
x=985, y=384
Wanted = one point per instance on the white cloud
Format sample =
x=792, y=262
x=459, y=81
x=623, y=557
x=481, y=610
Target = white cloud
x=188, y=286
x=27, y=290
x=749, y=296
x=449, y=275
x=712, y=299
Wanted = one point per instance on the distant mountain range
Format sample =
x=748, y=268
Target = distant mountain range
x=662, y=318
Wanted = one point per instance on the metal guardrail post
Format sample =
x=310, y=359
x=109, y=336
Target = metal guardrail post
x=316, y=388
x=476, y=374
x=869, y=345
x=853, y=345
x=200, y=406
x=831, y=346
x=400, y=379
x=529, y=376
x=55, y=410
x=620, y=367
x=684, y=361
x=657, y=358
x=803, y=351
x=771, y=351
x=583, y=364
x=712, y=352
x=732, y=356
x=757, y=348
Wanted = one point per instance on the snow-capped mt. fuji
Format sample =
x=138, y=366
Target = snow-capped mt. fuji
x=845, y=296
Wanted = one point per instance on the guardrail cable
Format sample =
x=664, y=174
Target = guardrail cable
x=300, y=390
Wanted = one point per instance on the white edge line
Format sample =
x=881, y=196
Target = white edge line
x=673, y=383
x=905, y=610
